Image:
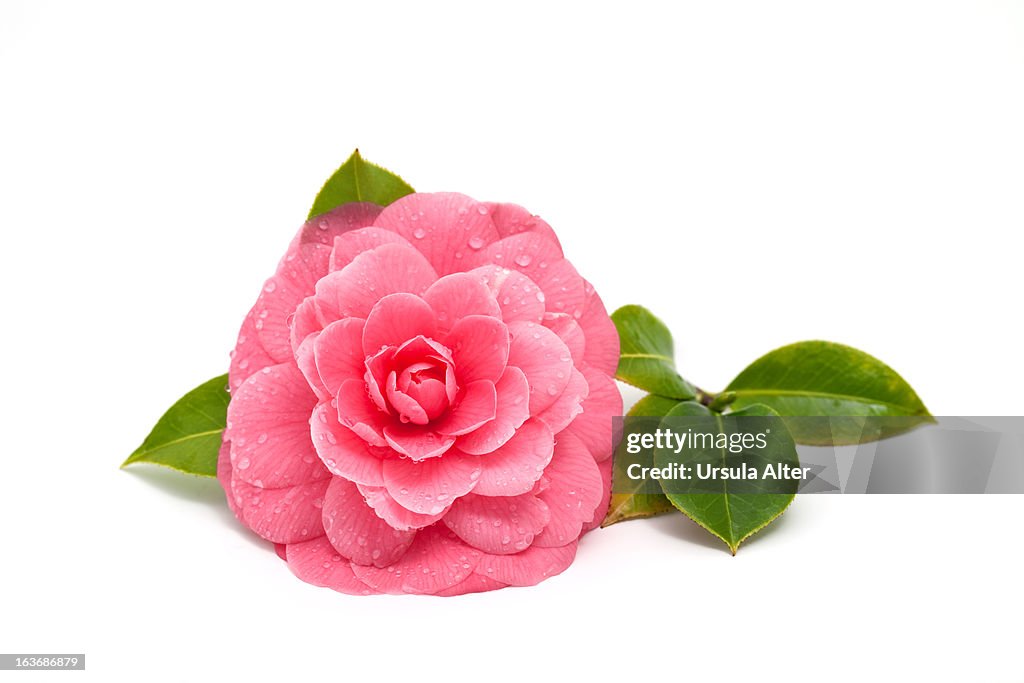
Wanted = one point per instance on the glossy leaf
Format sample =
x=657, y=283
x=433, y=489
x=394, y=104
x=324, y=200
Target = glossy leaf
x=646, y=356
x=626, y=505
x=188, y=436
x=823, y=378
x=730, y=515
x=357, y=180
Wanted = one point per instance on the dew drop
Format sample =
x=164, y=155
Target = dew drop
x=523, y=260
x=419, y=233
x=476, y=242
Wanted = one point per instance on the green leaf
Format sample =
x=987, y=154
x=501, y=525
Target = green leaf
x=188, y=436
x=357, y=180
x=626, y=504
x=734, y=510
x=828, y=379
x=647, y=357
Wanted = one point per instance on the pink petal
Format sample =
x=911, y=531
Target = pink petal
x=480, y=348
x=388, y=509
x=268, y=425
x=356, y=531
x=512, y=219
x=409, y=410
x=446, y=227
x=416, y=442
x=435, y=561
x=563, y=288
x=338, y=353
x=530, y=253
x=518, y=297
x=323, y=229
x=390, y=268
x=512, y=469
x=342, y=451
x=455, y=296
x=430, y=486
x=249, y=356
x=295, y=279
x=594, y=425
x=605, y=466
x=318, y=563
x=543, y=358
x=569, y=404
x=224, y=475
x=474, y=583
x=529, y=567
x=357, y=412
x=281, y=550
x=352, y=244
x=306, y=321
x=285, y=515
x=570, y=332
x=498, y=525
x=511, y=410
x=306, y=362
x=396, y=319
x=602, y=350
x=476, y=405
x=575, y=490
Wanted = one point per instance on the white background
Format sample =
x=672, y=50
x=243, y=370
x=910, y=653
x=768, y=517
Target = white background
x=755, y=173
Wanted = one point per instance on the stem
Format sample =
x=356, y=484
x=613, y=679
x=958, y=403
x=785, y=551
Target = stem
x=705, y=398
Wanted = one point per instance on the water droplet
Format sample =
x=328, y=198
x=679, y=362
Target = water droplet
x=476, y=242
x=262, y=438
x=270, y=287
x=482, y=210
x=419, y=233
x=242, y=464
x=523, y=260
x=540, y=296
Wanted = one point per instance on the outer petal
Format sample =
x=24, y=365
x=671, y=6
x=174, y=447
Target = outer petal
x=575, y=490
x=295, y=279
x=544, y=359
x=287, y=515
x=511, y=411
x=563, y=288
x=224, y=475
x=396, y=319
x=268, y=425
x=338, y=353
x=323, y=229
x=529, y=567
x=514, y=468
x=388, y=509
x=342, y=451
x=430, y=486
x=512, y=219
x=602, y=350
x=476, y=405
x=356, y=531
x=570, y=332
x=605, y=466
x=474, y=583
x=249, y=356
x=594, y=425
x=318, y=563
x=455, y=296
x=306, y=321
x=518, y=297
x=353, y=290
x=569, y=404
x=480, y=348
x=445, y=227
x=436, y=561
x=498, y=525
x=352, y=244
x=527, y=252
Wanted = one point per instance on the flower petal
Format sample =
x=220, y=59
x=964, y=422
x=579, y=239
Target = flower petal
x=474, y=583
x=249, y=356
x=268, y=425
x=511, y=410
x=512, y=219
x=605, y=466
x=529, y=567
x=354, y=243
x=357, y=412
x=305, y=322
x=388, y=269
x=575, y=489
x=602, y=350
x=569, y=404
x=436, y=561
x=338, y=353
x=285, y=515
x=388, y=509
x=476, y=405
x=570, y=332
x=594, y=425
x=513, y=468
x=455, y=296
x=342, y=451
x=356, y=531
x=444, y=226
x=480, y=348
x=416, y=442
x=498, y=525
x=396, y=319
x=430, y=486
x=323, y=229
x=543, y=358
x=224, y=475
x=518, y=297
x=295, y=279
x=318, y=563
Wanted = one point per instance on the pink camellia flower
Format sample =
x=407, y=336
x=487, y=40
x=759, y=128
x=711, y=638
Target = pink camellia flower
x=422, y=400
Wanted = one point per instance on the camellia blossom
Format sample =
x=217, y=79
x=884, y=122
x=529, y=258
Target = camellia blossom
x=422, y=401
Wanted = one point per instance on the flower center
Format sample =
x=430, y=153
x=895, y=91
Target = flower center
x=414, y=381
